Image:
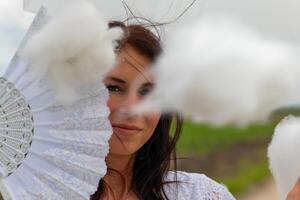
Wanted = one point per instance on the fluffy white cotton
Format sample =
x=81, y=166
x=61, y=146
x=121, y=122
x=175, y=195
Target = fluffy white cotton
x=221, y=71
x=74, y=49
x=283, y=155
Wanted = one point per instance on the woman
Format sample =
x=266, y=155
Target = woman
x=142, y=147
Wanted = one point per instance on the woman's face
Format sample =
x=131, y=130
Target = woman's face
x=128, y=83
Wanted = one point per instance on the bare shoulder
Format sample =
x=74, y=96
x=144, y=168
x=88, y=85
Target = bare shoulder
x=195, y=186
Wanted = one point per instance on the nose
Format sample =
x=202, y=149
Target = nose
x=130, y=100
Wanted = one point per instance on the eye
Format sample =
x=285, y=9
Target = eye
x=113, y=88
x=145, y=91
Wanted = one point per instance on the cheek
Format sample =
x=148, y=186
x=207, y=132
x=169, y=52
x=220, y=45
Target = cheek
x=111, y=106
x=152, y=121
x=111, y=103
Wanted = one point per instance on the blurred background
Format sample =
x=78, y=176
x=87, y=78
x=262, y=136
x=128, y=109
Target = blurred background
x=235, y=156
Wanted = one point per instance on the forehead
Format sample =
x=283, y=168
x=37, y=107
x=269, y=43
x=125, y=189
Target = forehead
x=132, y=65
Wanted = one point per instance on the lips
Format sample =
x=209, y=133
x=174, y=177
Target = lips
x=126, y=128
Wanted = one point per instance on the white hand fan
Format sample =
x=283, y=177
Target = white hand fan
x=50, y=150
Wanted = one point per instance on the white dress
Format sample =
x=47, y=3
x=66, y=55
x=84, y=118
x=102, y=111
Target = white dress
x=195, y=186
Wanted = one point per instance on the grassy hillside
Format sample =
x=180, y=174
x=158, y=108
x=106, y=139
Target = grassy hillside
x=231, y=155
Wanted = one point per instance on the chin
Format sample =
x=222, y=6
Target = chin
x=117, y=147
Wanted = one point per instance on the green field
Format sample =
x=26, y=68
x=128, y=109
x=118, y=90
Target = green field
x=235, y=156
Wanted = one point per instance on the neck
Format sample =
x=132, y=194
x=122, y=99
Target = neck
x=119, y=174
x=121, y=163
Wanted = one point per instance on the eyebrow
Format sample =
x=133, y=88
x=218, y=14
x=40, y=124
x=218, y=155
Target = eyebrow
x=116, y=79
x=148, y=84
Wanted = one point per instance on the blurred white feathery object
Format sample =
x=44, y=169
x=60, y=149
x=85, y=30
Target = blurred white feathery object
x=74, y=48
x=283, y=153
x=220, y=71
x=32, y=5
x=49, y=149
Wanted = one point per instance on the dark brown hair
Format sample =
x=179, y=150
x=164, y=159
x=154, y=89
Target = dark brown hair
x=140, y=38
x=154, y=158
